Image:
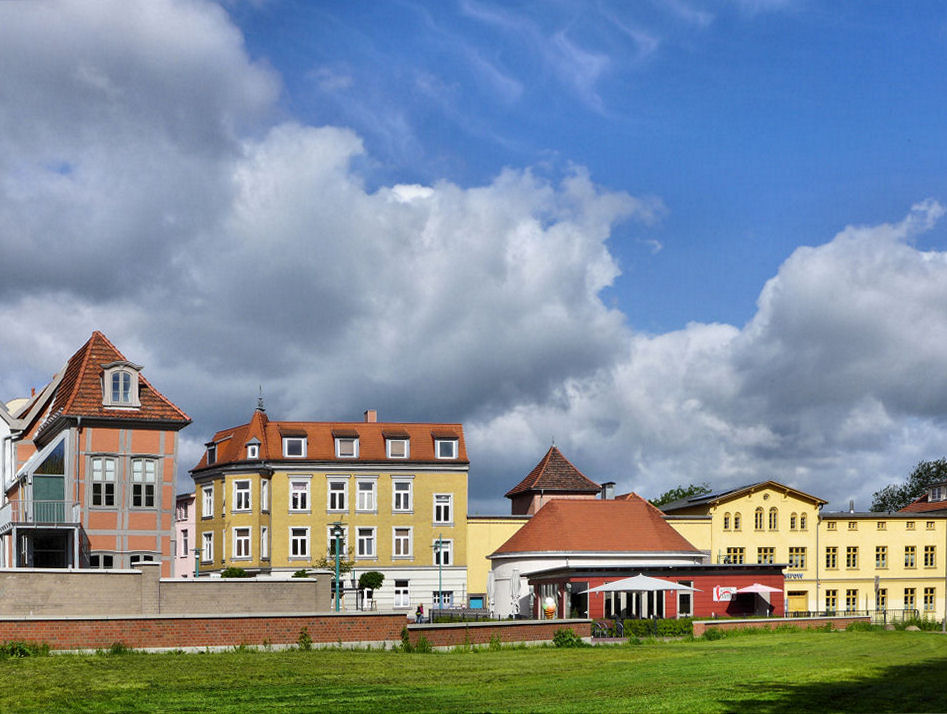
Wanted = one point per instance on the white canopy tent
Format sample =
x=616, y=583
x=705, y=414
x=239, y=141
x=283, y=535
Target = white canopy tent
x=758, y=589
x=639, y=583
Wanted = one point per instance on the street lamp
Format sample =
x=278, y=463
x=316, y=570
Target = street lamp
x=197, y=562
x=337, y=532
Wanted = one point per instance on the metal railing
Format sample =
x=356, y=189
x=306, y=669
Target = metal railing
x=38, y=513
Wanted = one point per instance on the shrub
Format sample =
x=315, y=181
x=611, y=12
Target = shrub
x=495, y=643
x=119, y=648
x=713, y=633
x=301, y=573
x=233, y=572
x=423, y=646
x=304, y=640
x=564, y=637
x=24, y=649
x=406, y=640
x=862, y=627
x=659, y=628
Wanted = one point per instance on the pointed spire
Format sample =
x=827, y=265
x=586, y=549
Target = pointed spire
x=259, y=401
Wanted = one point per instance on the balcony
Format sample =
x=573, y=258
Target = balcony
x=38, y=514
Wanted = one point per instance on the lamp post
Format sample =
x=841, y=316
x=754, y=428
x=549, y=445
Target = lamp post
x=197, y=562
x=337, y=535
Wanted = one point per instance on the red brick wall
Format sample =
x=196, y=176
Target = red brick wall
x=205, y=631
x=805, y=623
x=476, y=633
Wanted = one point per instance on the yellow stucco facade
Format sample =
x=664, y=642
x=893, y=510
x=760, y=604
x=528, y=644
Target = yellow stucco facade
x=484, y=535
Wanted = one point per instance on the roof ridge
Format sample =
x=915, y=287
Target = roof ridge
x=80, y=370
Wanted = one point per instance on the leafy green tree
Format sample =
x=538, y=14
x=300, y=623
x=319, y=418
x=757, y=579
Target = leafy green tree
x=894, y=497
x=370, y=580
x=676, y=494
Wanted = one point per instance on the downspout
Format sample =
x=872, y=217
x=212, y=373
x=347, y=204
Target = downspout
x=817, y=529
x=77, y=505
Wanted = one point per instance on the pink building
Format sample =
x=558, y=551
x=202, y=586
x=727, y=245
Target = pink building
x=183, y=549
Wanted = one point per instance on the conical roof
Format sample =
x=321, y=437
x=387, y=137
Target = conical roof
x=555, y=473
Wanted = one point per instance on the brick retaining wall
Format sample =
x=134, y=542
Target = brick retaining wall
x=197, y=631
x=509, y=631
x=805, y=623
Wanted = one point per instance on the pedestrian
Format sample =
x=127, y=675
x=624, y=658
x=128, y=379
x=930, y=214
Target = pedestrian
x=419, y=614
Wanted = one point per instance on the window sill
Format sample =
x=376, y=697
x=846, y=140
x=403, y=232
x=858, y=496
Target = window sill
x=402, y=557
x=438, y=524
x=409, y=512
x=368, y=558
x=300, y=513
x=368, y=512
x=300, y=558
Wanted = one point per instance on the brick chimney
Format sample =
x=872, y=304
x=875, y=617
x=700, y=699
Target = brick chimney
x=371, y=416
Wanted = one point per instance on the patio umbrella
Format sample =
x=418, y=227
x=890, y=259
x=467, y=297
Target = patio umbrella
x=639, y=583
x=759, y=589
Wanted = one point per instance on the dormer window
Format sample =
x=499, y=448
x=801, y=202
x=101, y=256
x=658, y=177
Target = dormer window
x=253, y=449
x=120, y=384
x=211, y=454
x=445, y=448
x=294, y=446
x=397, y=448
x=346, y=447
x=937, y=493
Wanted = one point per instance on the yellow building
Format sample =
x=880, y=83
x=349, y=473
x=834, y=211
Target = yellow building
x=834, y=561
x=268, y=494
x=484, y=535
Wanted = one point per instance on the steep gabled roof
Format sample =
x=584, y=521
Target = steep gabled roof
x=573, y=526
x=79, y=389
x=320, y=441
x=924, y=505
x=729, y=494
x=554, y=473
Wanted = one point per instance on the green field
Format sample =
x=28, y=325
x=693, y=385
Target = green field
x=786, y=672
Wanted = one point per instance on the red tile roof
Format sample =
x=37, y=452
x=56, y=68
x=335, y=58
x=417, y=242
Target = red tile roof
x=320, y=441
x=922, y=505
x=79, y=392
x=554, y=473
x=631, y=525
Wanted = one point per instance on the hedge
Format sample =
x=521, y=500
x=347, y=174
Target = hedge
x=660, y=628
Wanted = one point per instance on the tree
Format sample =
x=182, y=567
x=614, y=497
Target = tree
x=894, y=497
x=370, y=580
x=676, y=494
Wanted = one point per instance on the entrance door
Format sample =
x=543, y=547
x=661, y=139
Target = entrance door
x=797, y=601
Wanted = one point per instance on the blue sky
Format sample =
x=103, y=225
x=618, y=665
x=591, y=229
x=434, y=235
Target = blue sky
x=690, y=241
x=761, y=126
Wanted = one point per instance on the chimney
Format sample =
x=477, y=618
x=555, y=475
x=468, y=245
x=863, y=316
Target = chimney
x=371, y=416
x=608, y=491
x=851, y=506
x=32, y=391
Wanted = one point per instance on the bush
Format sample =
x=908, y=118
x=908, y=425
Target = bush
x=233, y=572
x=119, y=648
x=24, y=649
x=301, y=573
x=406, y=640
x=495, y=643
x=304, y=640
x=370, y=580
x=566, y=638
x=862, y=627
x=659, y=628
x=423, y=646
x=713, y=633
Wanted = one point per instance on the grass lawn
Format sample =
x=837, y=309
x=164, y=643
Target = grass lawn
x=784, y=672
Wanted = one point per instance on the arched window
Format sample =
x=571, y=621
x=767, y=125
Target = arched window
x=726, y=521
x=792, y=521
x=802, y=521
x=773, y=519
x=736, y=521
x=758, y=519
x=120, y=384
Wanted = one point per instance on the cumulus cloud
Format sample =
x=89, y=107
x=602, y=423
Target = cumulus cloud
x=145, y=190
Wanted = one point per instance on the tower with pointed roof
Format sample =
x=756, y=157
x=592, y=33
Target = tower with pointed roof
x=554, y=477
x=89, y=478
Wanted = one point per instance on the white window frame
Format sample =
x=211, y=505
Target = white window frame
x=409, y=538
x=126, y=398
x=346, y=439
x=304, y=508
x=211, y=454
x=402, y=594
x=242, y=492
x=185, y=536
x=367, y=536
x=207, y=501
x=102, y=477
x=207, y=547
x=299, y=534
x=303, y=445
x=447, y=546
x=400, y=440
x=142, y=480
x=264, y=495
x=330, y=493
x=450, y=506
x=441, y=442
x=242, y=543
x=689, y=594
x=253, y=451
x=360, y=505
x=448, y=599
x=330, y=554
x=405, y=495
x=264, y=542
